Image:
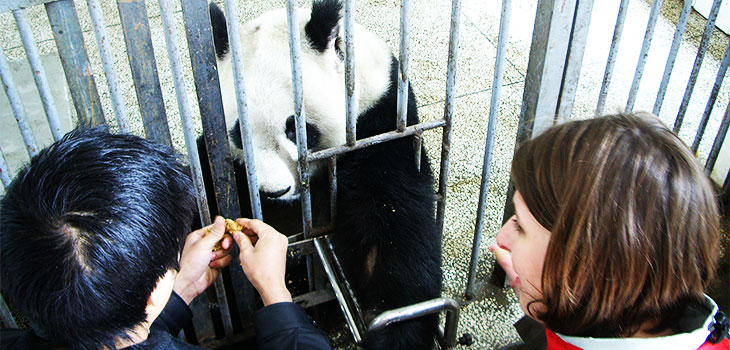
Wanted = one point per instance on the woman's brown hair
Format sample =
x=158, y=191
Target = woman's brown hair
x=633, y=219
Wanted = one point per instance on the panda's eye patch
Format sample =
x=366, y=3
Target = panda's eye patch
x=312, y=133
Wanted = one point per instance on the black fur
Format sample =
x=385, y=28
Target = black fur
x=322, y=27
x=220, y=31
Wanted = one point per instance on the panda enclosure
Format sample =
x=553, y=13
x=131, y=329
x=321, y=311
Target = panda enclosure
x=490, y=314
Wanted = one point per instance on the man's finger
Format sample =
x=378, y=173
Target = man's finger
x=221, y=263
x=243, y=241
x=215, y=232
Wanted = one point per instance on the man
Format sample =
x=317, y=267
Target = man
x=93, y=248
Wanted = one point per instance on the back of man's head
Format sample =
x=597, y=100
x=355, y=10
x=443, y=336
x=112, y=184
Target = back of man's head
x=86, y=231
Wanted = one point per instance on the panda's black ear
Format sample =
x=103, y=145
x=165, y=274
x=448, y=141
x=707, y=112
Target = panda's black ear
x=220, y=31
x=323, y=25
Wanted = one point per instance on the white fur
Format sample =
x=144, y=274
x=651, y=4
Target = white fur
x=267, y=72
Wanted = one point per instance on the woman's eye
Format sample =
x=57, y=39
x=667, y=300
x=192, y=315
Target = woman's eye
x=517, y=225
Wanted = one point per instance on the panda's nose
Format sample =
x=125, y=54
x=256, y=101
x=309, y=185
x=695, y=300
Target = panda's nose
x=276, y=194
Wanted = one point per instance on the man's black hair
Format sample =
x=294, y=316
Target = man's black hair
x=86, y=231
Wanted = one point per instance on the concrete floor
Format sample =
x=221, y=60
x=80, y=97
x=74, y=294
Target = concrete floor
x=489, y=318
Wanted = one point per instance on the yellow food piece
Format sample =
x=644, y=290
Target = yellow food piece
x=231, y=226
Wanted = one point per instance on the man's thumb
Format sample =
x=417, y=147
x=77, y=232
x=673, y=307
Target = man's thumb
x=243, y=241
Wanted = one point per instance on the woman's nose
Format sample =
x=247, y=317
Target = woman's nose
x=505, y=235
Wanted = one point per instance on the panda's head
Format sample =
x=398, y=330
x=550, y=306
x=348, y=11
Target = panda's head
x=267, y=73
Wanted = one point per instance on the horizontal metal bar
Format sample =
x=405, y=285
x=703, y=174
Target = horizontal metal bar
x=39, y=73
x=6, y=5
x=678, y=33
x=656, y=7
x=313, y=298
x=704, y=44
x=421, y=309
x=711, y=100
x=107, y=62
x=72, y=50
x=243, y=118
x=17, y=106
x=373, y=140
x=5, y=174
x=339, y=294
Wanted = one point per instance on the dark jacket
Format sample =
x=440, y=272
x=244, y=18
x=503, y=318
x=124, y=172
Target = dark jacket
x=279, y=326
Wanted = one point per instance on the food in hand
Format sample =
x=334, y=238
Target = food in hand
x=231, y=227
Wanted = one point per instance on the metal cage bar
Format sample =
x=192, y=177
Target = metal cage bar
x=107, y=62
x=351, y=105
x=489, y=148
x=421, y=309
x=711, y=100
x=611, y=62
x=39, y=73
x=448, y=113
x=72, y=50
x=704, y=44
x=574, y=59
x=676, y=41
x=405, y=39
x=243, y=119
x=656, y=7
x=719, y=139
x=4, y=170
x=135, y=25
x=6, y=315
x=17, y=106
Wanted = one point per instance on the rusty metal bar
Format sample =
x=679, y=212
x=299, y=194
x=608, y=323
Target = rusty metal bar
x=351, y=106
x=72, y=50
x=617, y=31
x=405, y=38
x=243, y=119
x=107, y=61
x=373, y=140
x=656, y=7
x=712, y=99
x=133, y=15
x=17, y=106
x=678, y=33
x=489, y=147
x=332, y=172
x=704, y=44
x=39, y=73
x=448, y=113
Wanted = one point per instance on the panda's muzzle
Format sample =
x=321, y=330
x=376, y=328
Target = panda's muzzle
x=276, y=194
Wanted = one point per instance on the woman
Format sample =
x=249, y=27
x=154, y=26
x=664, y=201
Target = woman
x=615, y=237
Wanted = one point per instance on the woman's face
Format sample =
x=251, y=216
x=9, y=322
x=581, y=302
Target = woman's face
x=520, y=249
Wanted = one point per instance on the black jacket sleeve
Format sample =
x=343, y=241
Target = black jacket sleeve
x=286, y=326
x=174, y=316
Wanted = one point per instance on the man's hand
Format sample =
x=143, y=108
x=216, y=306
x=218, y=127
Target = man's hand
x=199, y=264
x=263, y=258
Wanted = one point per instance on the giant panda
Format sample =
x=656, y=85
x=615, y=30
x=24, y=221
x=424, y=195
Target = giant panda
x=385, y=233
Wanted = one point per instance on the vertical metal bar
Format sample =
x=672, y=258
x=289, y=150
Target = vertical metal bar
x=39, y=74
x=489, y=147
x=574, y=60
x=133, y=15
x=202, y=56
x=4, y=170
x=72, y=50
x=7, y=317
x=618, y=30
x=168, y=23
x=295, y=51
x=448, y=113
x=704, y=44
x=546, y=67
x=719, y=139
x=243, y=120
x=332, y=167
x=656, y=7
x=17, y=106
x=351, y=106
x=417, y=142
x=107, y=62
x=678, y=33
x=405, y=38
x=711, y=100
x=300, y=119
